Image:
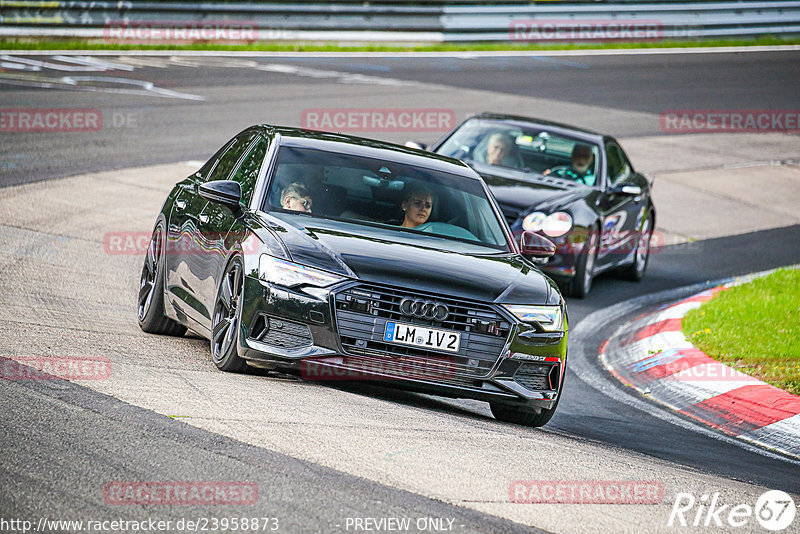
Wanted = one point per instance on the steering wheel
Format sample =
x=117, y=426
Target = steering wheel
x=558, y=168
x=447, y=230
x=565, y=171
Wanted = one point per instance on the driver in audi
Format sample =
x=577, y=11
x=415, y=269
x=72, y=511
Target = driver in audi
x=417, y=205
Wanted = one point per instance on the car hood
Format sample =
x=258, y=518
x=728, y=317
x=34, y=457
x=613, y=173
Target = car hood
x=386, y=256
x=522, y=190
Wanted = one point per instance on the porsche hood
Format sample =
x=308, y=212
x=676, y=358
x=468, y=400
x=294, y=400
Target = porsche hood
x=545, y=194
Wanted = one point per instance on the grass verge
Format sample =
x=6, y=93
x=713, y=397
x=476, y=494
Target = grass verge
x=754, y=328
x=31, y=43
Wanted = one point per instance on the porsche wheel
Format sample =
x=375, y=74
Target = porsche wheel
x=584, y=273
x=635, y=271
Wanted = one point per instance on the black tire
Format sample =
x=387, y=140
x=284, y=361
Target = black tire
x=510, y=414
x=225, y=321
x=152, y=318
x=581, y=284
x=641, y=257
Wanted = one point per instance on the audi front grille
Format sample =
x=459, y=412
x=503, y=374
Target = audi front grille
x=362, y=311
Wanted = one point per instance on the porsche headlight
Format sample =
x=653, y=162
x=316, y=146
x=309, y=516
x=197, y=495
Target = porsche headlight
x=549, y=318
x=290, y=274
x=553, y=225
x=533, y=221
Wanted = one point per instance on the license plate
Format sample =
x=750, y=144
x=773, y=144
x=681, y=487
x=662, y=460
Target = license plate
x=420, y=336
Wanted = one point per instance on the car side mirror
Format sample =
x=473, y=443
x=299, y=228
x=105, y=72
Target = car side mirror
x=536, y=246
x=225, y=192
x=416, y=144
x=626, y=189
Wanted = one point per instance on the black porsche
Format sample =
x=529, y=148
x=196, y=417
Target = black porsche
x=574, y=186
x=291, y=250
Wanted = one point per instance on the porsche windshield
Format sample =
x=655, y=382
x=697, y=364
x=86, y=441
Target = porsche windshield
x=532, y=149
x=394, y=196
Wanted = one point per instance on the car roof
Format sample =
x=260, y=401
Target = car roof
x=556, y=127
x=362, y=146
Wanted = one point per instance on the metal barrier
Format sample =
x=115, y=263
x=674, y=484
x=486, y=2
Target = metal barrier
x=668, y=21
x=433, y=21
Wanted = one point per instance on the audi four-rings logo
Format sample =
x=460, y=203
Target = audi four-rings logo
x=424, y=309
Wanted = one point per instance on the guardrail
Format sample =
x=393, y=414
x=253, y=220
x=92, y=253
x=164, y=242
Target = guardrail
x=434, y=21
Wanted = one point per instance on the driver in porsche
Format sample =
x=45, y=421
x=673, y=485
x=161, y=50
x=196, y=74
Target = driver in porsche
x=581, y=168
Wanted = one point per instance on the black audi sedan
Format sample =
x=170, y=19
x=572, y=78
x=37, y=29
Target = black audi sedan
x=344, y=258
x=576, y=187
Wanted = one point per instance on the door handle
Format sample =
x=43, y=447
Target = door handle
x=203, y=218
x=180, y=204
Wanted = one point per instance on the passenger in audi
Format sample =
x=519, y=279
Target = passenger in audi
x=417, y=204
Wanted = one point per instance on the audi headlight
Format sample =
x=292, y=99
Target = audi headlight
x=290, y=274
x=553, y=225
x=549, y=318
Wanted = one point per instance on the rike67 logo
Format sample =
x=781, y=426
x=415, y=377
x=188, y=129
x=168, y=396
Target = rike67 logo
x=774, y=510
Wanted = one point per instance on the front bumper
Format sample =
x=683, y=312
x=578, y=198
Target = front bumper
x=323, y=334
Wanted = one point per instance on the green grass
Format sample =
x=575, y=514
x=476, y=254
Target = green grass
x=27, y=43
x=754, y=328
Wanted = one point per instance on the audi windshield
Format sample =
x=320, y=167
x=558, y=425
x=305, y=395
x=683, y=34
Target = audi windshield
x=401, y=202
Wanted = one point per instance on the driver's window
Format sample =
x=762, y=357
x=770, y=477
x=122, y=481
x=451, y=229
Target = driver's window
x=211, y=163
x=248, y=170
x=227, y=162
x=619, y=169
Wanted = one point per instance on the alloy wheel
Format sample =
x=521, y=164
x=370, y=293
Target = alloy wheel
x=147, y=283
x=223, y=333
x=591, y=254
x=643, y=247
